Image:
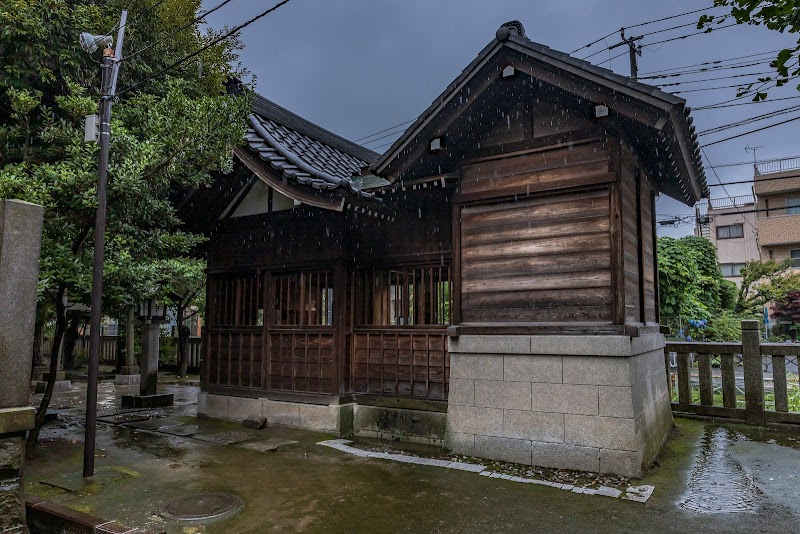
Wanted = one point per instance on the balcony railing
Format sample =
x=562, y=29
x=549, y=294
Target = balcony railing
x=777, y=165
x=732, y=202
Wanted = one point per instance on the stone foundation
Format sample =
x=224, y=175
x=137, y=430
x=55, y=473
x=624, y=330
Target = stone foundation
x=332, y=418
x=590, y=403
x=399, y=424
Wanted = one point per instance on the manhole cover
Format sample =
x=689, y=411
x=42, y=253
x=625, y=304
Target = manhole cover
x=202, y=506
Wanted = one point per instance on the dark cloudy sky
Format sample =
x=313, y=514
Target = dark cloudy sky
x=359, y=66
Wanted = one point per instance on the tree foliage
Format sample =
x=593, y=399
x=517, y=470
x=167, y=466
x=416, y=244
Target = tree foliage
x=691, y=285
x=763, y=282
x=169, y=135
x=788, y=307
x=778, y=15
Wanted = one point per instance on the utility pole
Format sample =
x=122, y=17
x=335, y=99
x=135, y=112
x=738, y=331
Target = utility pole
x=110, y=70
x=634, y=51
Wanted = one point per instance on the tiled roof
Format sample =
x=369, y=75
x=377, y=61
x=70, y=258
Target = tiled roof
x=303, y=151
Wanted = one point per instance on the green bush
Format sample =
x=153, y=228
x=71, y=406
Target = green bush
x=726, y=326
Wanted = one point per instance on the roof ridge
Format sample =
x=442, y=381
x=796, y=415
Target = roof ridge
x=270, y=110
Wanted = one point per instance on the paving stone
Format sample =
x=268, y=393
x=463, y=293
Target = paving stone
x=75, y=482
x=638, y=493
x=608, y=492
x=225, y=438
x=180, y=430
x=118, y=419
x=271, y=444
x=256, y=423
x=475, y=468
x=153, y=424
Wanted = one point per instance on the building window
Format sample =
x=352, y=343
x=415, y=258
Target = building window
x=732, y=269
x=403, y=296
x=235, y=300
x=730, y=231
x=795, y=255
x=793, y=206
x=303, y=299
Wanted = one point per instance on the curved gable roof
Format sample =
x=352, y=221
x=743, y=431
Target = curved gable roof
x=690, y=184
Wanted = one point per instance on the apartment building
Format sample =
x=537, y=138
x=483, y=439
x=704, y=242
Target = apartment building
x=730, y=223
x=777, y=190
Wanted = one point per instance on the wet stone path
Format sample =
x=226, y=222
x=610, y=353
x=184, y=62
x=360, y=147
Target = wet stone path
x=718, y=482
x=156, y=466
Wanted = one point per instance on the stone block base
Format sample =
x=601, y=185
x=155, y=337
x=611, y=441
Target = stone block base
x=127, y=379
x=399, y=424
x=158, y=400
x=12, y=505
x=589, y=403
x=331, y=418
x=402, y=424
x=59, y=386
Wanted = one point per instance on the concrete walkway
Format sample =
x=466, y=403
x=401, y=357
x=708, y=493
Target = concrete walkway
x=709, y=478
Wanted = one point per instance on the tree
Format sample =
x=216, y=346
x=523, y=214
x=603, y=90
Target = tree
x=168, y=134
x=690, y=282
x=761, y=282
x=186, y=284
x=778, y=15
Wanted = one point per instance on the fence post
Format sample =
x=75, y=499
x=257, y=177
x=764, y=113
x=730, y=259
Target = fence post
x=753, y=374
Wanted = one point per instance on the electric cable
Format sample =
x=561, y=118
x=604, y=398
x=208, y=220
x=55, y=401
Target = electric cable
x=175, y=32
x=753, y=131
x=206, y=47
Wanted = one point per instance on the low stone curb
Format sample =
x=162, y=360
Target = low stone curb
x=632, y=493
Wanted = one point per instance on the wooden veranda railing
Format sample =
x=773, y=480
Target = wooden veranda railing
x=749, y=381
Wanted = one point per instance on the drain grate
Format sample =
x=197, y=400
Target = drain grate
x=202, y=506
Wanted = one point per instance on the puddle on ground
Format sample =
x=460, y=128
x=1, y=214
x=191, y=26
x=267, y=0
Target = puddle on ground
x=718, y=483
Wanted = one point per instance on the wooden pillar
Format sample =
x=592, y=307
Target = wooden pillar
x=340, y=299
x=455, y=313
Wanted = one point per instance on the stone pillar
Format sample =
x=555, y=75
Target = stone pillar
x=129, y=374
x=20, y=241
x=753, y=373
x=149, y=358
x=590, y=403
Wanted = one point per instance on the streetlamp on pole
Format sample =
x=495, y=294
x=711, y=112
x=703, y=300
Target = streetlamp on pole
x=110, y=67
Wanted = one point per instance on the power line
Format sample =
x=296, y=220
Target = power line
x=753, y=131
x=713, y=62
x=726, y=191
x=715, y=88
x=694, y=34
x=684, y=82
x=382, y=131
x=748, y=120
x=678, y=74
x=741, y=163
x=206, y=47
x=175, y=32
x=612, y=58
x=725, y=105
x=642, y=24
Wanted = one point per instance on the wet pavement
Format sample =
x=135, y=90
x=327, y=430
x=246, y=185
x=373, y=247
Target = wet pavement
x=153, y=462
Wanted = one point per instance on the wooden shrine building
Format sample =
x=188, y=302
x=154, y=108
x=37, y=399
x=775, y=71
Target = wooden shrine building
x=489, y=282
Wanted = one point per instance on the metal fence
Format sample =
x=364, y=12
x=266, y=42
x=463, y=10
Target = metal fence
x=752, y=382
x=777, y=165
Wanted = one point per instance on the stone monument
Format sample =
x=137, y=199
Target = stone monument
x=20, y=242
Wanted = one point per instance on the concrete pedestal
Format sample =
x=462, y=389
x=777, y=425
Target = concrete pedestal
x=589, y=403
x=128, y=376
x=149, y=360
